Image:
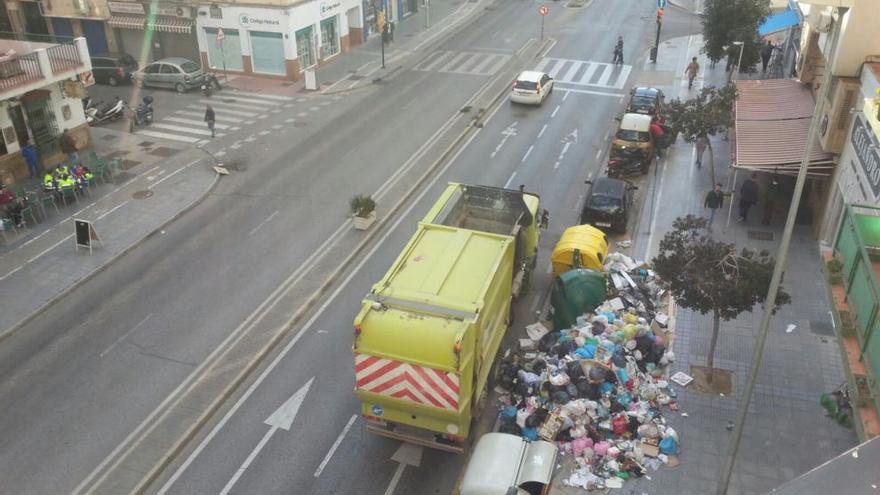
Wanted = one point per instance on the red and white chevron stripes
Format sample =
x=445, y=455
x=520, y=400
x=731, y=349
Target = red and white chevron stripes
x=421, y=385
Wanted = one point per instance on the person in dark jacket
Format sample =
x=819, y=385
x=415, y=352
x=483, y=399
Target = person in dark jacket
x=766, y=54
x=748, y=196
x=714, y=201
x=209, y=118
x=618, y=51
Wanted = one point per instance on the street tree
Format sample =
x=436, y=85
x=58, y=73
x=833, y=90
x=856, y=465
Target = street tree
x=706, y=114
x=711, y=276
x=726, y=21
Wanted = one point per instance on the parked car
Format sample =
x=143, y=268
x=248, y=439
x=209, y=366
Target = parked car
x=531, y=87
x=646, y=101
x=179, y=73
x=113, y=68
x=608, y=203
x=632, y=149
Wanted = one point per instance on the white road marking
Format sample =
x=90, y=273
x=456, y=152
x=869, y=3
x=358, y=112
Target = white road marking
x=12, y=271
x=126, y=334
x=222, y=105
x=395, y=479
x=111, y=210
x=222, y=110
x=202, y=114
x=542, y=131
x=554, y=111
x=509, y=131
x=556, y=165
x=335, y=444
x=589, y=92
x=53, y=246
x=528, y=152
x=193, y=122
x=598, y=154
x=565, y=95
x=264, y=222
x=171, y=137
x=654, y=220
x=244, y=100
x=507, y=184
x=564, y=150
x=261, y=95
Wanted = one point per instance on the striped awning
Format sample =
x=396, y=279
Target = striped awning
x=166, y=24
x=162, y=24
x=127, y=21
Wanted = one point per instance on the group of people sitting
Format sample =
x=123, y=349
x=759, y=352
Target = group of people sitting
x=74, y=175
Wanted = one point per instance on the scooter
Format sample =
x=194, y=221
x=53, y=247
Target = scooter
x=142, y=116
x=103, y=112
x=210, y=84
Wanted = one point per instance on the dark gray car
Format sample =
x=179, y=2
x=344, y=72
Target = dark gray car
x=113, y=68
x=179, y=73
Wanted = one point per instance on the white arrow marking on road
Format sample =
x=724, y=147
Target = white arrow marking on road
x=564, y=151
x=282, y=418
x=571, y=137
x=406, y=455
x=510, y=131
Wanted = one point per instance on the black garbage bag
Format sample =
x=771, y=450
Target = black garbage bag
x=560, y=397
x=510, y=428
x=574, y=370
x=538, y=366
x=548, y=340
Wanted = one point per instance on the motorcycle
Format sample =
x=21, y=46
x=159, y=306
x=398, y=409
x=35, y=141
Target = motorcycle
x=141, y=116
x=102, y=112
x=619, y=166
x=210, y=84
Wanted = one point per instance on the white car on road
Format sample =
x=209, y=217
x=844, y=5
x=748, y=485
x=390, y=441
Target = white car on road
x=531, y=87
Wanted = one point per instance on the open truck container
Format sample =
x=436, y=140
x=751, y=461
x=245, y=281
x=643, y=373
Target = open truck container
x=428, y=333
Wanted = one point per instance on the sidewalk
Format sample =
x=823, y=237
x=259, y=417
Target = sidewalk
x=41, y=264
x=362, y=63
x=787, y=432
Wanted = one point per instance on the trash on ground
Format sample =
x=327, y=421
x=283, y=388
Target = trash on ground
x=790, y=328
x=682, y=378
x=624, y=243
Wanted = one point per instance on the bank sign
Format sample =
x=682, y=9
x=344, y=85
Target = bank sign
x=329, y=8
x=249, y=20
x=866, y=150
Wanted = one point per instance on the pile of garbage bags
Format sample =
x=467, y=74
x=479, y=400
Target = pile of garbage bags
x=598, y=388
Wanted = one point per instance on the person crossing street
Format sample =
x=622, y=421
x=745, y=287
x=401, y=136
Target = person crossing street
x=209, y=118
x=618, y=51
x=691, y=72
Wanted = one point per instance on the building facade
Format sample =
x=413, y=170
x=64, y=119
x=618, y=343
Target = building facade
x=151, y=31
x=277, y=41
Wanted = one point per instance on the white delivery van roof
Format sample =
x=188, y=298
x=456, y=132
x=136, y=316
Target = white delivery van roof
x=636, y=122
x=501, y=461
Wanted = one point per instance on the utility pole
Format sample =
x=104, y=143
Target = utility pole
x=427, y=14
x=770, y=302
x=657, y=38
x=380, y=23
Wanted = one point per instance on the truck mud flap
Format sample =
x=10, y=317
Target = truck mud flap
x=415, y=439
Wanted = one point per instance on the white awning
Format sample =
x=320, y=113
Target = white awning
x=127, y=21
x=171, y=24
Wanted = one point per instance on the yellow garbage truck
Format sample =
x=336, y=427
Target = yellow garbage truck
x=428, y=332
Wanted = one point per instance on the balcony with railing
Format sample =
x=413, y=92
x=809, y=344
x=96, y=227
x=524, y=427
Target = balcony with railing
x=27, y=65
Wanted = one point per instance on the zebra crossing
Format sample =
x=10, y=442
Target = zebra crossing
x=585, y=72
x=455, y=62
x=232, y=110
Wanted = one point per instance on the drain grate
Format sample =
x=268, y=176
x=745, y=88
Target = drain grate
x=146, y=144
x=109, y=137
x=760, y=235
x=822, y=327
x=146, y=193
x=163, y=151
x=355, y=77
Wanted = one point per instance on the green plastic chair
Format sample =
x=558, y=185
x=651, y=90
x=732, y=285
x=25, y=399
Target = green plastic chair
x=102, y=171
x=92, y=157
x=46, y=200
x=68, y=192
x=27, y=216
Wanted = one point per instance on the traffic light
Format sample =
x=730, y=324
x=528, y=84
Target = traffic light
x=659, y=16
x=380, y=21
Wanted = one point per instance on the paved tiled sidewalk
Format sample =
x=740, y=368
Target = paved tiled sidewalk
x=786, y=432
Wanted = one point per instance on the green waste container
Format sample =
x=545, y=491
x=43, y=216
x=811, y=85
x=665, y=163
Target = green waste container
x=576, y=292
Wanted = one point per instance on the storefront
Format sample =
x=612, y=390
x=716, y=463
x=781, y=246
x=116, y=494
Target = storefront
x=858, y=171
x=277, y=42
x=169, y=33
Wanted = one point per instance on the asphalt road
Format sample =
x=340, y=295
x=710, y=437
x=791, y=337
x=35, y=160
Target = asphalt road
x=85, y=373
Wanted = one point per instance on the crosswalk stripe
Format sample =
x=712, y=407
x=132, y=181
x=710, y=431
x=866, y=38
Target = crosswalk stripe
x=172, y=137
x=495, y=68
x=224, y=110
x=237, y=99
x=452, y=63
x=542, y=64
x=202, y=115
x=260, y=95
x=588, y=74
x=474, y=60
x=576, y=66
x=221, y=104
x=624, y=74
x=180, y=128
x=437, y=61
x=556, y=68
x=481, y=67
x=606, y=74
x=193, y=122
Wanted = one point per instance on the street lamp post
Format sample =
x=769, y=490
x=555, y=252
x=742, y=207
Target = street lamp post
x=739, y=59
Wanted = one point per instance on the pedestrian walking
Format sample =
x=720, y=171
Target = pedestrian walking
x=618, y=51
x=657, y=135
x=691, y=72
x=748, y=196
x=714, y=201
x=68, y=147
x=209, y=118
x=766, y=53
x=701, y=145
x=769, y=199
x=29, y=152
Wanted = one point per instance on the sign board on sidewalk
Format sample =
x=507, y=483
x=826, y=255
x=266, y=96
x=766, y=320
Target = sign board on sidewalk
x=544, y=10
x=311, y=80
x=86, y=235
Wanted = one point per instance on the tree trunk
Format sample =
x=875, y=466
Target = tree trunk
x=710, y=362
x=711, y=161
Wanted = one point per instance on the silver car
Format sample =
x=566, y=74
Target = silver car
x=179, y=73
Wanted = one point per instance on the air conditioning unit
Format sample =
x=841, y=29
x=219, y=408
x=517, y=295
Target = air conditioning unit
x=836, y=113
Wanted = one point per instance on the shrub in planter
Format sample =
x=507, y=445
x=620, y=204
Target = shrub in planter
x=362, y=206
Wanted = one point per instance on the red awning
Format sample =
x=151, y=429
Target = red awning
x=772, y=121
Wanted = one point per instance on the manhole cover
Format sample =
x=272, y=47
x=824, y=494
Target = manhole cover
x=758, y=235
x=163, y=152
x=822, y=327
x=146, y=193
x=355, y=77
x=108, y=137
x=300, y=124
x=146, y=144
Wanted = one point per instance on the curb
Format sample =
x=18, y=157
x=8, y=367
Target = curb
x=82, y=280
x=144, y=484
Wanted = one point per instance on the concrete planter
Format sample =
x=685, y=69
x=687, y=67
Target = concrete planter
x=364, y=223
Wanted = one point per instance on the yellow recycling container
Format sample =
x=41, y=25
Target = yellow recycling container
x=581, y=246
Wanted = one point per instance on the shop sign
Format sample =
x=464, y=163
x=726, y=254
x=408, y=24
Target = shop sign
x=126, y=8
x=865, y=146
x=328, y=8
x=248, y=20
x=175, y=11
